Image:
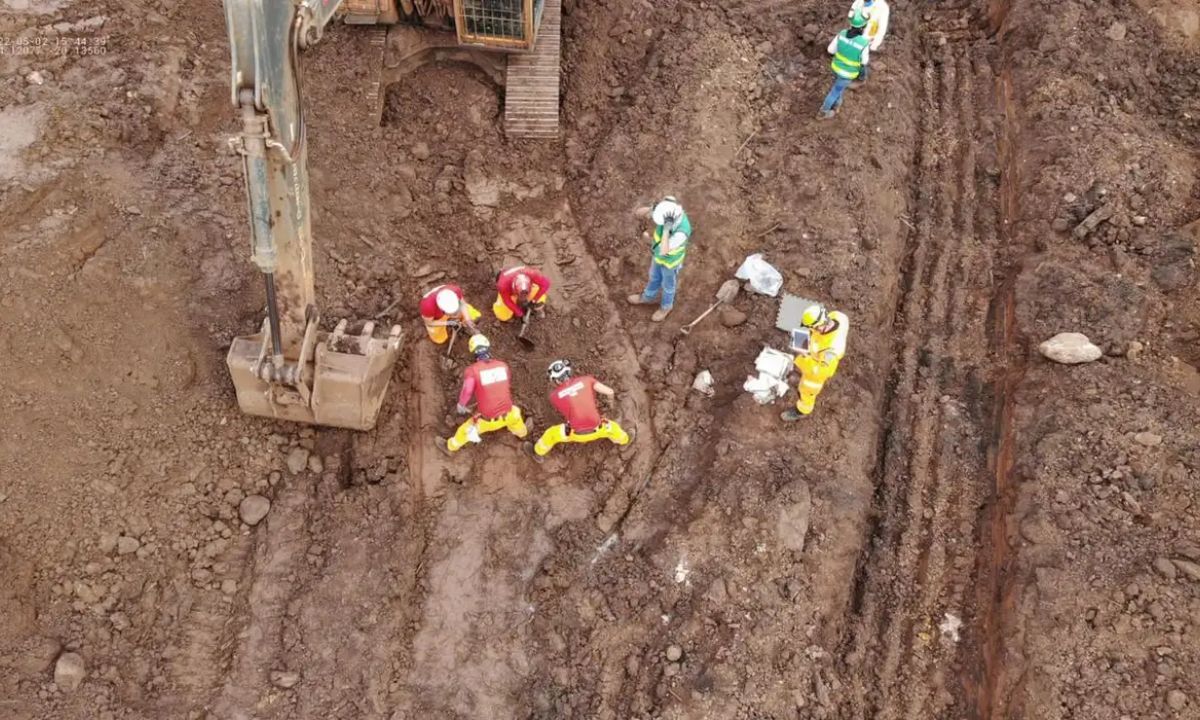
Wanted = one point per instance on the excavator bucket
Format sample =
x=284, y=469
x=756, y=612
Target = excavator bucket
x=342, y=381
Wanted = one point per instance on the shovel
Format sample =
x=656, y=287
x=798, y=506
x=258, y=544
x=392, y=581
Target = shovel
x=447, y=361
x=726, y=293
x=526, y=342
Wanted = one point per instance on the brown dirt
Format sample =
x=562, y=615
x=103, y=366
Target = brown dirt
x=949, y=474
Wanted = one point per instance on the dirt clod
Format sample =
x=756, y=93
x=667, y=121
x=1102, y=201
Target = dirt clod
x=285, y=679
x=674, y=652
x=297, y=460
x=1165, y=567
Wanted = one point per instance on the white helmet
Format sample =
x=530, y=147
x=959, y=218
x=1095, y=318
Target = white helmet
x=521, y=282
x=668, y=210
x=447, y=301
x=559, y=371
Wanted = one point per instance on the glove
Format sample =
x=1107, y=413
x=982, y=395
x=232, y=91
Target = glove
x=462, y=410
x=453, y=323
x=525, y=306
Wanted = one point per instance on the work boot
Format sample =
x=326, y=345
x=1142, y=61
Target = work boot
x=441, y=445
x=528, y=448
x=660, y=314
x=636, y=299
x=790, y=415
x=826, y=114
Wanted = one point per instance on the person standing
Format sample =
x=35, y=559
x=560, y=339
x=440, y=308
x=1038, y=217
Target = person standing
x=877, y=14
x=575, y=399
x=444, y=307
x=851, y=53
x=668, y=248
x=819, y=361
x=489, y=382
x=519, y=290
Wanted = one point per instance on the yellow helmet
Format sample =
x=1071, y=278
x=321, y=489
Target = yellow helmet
x=479, y=343
x=814, y=316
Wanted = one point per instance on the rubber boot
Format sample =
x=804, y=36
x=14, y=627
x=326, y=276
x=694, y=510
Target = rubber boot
x=660, y=314
x=790, y=415
x=528, y=448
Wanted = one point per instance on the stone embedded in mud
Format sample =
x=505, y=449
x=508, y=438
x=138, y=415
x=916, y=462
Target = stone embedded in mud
x=1176, y=700
x=674, y=652
x=297, y=460
x=253, y=509
x=1116, y=32
x=285, y=680
x=1189, y=568
x=127, y=545
x=1165, y=567
x=1148, y=439
x=732, y=317
x=69, y=672
x=1070, y=348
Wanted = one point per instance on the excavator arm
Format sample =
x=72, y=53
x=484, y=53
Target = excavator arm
x=291, y=370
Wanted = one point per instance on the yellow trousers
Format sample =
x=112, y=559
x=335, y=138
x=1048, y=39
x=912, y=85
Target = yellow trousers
x=503, y=314
x=608, y=430
x=440, y=333
x=813, y=376
x=478, y=425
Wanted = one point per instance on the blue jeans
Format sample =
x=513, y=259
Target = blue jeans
x=665, y=279
x=834, y=98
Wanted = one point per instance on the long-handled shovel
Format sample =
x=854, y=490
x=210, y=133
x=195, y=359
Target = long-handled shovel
x=726, y=293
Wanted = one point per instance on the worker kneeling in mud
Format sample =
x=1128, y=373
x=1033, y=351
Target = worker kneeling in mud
x=489, y=382
x=819, y=361
x=444, y=307
x=518, y=291
x=575, y=400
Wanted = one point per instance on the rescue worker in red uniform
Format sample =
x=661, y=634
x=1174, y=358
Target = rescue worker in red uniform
x=489, y=382
x=519, y=290
x=443, y=307
x=575, y=400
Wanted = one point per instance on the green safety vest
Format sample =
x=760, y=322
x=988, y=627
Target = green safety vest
x=847, y=62
x=675, y=259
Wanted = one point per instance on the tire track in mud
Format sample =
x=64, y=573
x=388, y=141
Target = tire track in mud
x=931, y=478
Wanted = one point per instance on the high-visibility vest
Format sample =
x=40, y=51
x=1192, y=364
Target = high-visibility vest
x=674, y=259
x=847, y=61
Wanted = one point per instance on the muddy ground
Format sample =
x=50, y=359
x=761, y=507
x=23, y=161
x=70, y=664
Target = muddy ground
x=962, y=530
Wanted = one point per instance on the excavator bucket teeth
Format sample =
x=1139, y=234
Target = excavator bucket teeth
x=349, y=380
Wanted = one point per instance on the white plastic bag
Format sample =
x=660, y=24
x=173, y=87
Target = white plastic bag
x=764, y=279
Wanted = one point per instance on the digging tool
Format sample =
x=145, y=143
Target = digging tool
x=726, y=293
x=447, y=361
x=526, y=342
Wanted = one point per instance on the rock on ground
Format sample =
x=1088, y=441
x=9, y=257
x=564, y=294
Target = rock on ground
x=253, y=509
x=1070, y=348
x=297, y=460
x=732, y=317
x=69, y=671
x=285, y=680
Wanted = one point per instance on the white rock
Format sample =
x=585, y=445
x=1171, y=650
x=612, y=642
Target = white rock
x=35, y=78
x=69, y=672
x=253, y=509
x=315, y=464
x=297, y=460
x=1070, y=348
x=127, y=545
x=285, y=680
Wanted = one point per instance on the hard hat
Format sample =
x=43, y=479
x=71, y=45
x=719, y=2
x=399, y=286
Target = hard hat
x=858, y=20
x=559, y=370
x=814, y=316
x=447, y=301
x=521, y=282
x=479, y=344
x=667, y=209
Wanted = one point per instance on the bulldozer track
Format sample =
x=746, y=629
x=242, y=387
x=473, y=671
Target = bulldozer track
x=932, y=476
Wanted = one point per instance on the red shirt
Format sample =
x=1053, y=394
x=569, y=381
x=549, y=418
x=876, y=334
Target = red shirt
x=575, y=400
x=539, y=284
x=488, y=381
x=429, y=308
